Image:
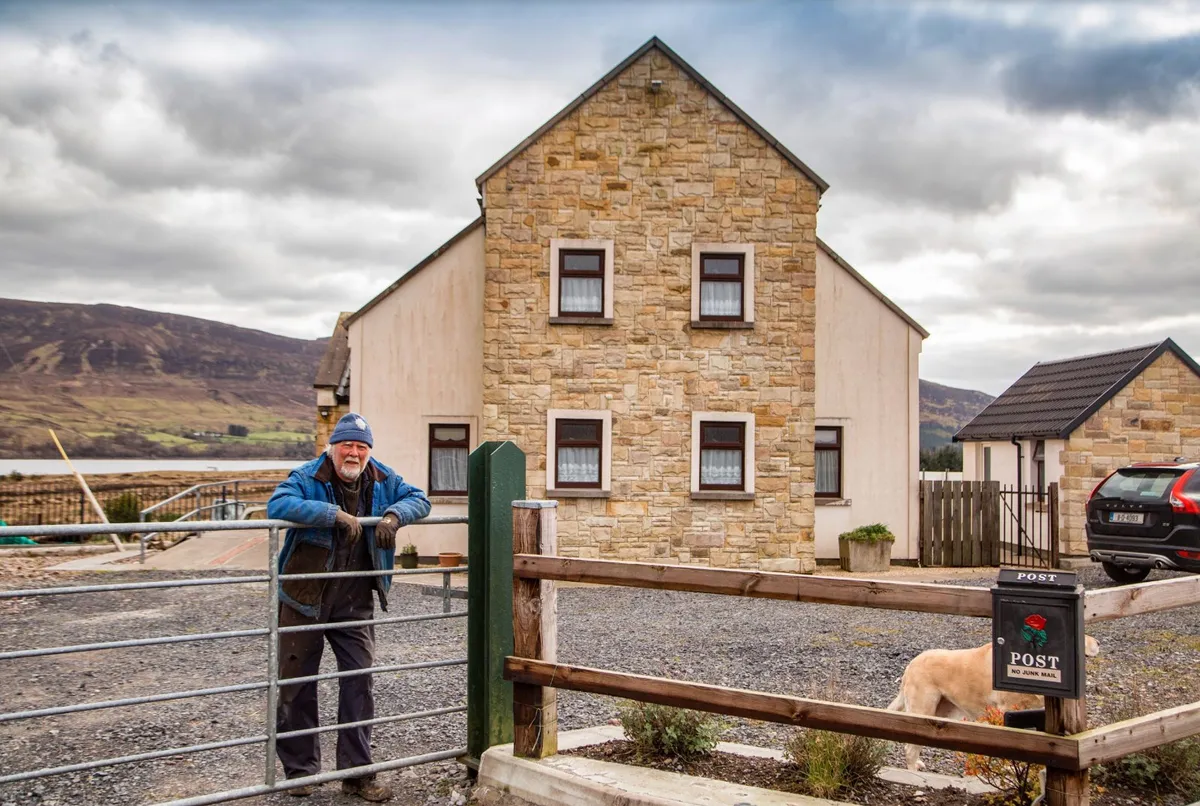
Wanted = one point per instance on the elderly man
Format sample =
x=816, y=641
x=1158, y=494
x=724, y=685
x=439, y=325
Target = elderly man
x=329, y=495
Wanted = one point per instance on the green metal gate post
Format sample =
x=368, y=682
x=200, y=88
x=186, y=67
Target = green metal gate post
x=495, y=478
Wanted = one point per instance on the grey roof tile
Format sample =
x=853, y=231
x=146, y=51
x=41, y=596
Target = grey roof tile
x=1054, y=397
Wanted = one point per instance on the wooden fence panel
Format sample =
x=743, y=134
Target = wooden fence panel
x=925, y=499
x=956, y=491
x=960, y=523
x=936, y=522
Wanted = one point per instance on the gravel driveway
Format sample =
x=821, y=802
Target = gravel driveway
x=850, y=654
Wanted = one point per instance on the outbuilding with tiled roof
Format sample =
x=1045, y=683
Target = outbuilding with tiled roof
x=1075, y=420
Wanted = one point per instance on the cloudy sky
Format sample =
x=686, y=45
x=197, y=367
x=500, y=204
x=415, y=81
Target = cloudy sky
x=1023, y=179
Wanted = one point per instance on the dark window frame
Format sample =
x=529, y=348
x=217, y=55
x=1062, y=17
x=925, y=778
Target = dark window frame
x=739, y=279
x=563, y=271
x=597, y=443
x=718, y=445
x=446, y=443
x=838, y=448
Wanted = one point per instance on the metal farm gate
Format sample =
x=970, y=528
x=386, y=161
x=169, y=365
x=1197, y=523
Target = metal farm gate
x=982, y=523
x=496, y=478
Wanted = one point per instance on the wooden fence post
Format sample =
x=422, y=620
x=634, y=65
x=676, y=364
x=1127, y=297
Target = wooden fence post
x=1063, y=718
x=535, y=631
x=495, y=478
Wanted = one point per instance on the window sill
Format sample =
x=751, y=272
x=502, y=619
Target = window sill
x=581, y=320
x=447, y=499
x=704, y=324
x=721, y=495
x=581, y=493
x=833, y=502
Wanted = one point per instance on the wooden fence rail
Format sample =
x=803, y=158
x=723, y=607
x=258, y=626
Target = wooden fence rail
x=967, y=737
x=1066, y=748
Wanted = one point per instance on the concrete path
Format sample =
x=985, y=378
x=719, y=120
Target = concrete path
x=239, y=550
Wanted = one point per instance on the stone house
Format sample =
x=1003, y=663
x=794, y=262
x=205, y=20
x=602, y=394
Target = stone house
x=1075, y=420
x=332, y=382
x=644, y=307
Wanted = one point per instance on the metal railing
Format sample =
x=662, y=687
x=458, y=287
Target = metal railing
x=270, y=685
x=221, y=504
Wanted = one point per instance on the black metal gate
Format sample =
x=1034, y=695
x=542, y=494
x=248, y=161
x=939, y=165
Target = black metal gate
x=1029, y=526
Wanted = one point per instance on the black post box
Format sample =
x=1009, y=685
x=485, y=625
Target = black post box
x=1037, y=633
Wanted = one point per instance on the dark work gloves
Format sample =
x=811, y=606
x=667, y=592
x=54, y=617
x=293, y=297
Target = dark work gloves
x=350, y=524
x=385, y=532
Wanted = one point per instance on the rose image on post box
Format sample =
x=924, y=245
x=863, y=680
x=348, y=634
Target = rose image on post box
x=1033, y=631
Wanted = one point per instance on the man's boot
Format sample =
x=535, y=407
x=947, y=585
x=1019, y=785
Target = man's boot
x=367, y=788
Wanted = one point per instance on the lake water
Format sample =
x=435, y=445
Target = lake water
x=44, y=467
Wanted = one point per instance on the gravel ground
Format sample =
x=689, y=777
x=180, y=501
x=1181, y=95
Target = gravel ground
x=849, y=654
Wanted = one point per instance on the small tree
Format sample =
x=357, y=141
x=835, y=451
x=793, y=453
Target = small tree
x=238, y=431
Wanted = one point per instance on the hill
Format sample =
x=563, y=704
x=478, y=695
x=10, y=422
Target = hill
x=945, y=409
x=115, y=381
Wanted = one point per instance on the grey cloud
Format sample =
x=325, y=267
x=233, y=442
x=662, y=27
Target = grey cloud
x=905, y=154
x=1133, y=277
x=993, y=366
x=1143, y=80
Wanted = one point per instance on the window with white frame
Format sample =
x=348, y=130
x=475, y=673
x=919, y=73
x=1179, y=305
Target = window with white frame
x=722, y=285
x=449, y=447
x=722, y=455
x=578, y=452
x=828, y=461
x=581, y=281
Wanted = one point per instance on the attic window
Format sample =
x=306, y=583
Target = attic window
x=581, y=281
x=722, y=285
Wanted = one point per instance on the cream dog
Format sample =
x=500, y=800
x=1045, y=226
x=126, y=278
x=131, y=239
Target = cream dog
x=957, y=684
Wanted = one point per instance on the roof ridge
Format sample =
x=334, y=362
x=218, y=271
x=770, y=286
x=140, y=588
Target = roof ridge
x=1151, y=346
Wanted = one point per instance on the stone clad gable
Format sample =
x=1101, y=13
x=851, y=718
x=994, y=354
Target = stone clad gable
x=655, y=172
x=1155, y=418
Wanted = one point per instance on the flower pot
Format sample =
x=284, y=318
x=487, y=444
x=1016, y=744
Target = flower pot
x=869, y=556
x=449, y=559
x=408, y=560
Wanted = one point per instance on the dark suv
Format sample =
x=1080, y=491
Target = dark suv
x=1146, y=516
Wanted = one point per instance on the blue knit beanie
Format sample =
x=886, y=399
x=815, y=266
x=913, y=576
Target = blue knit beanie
x=352, y=428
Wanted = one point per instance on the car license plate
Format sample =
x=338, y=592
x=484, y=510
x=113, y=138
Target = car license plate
x=1126, y=517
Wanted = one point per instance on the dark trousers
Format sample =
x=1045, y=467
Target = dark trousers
x=300, y=656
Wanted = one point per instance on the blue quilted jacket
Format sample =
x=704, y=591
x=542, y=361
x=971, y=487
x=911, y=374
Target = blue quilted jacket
x=307, y=497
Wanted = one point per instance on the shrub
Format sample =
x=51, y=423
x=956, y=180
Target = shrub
x=1167, y=769
x=1017, y=781
x=871, y=533
x=124, y=508
x=664, y=732
x=831, y=763
x=409, y=549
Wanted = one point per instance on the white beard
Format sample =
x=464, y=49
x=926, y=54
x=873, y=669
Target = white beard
x=349, y=472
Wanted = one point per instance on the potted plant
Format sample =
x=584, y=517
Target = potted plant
x=408, y=556
x=449, y=559
x=867, y=548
